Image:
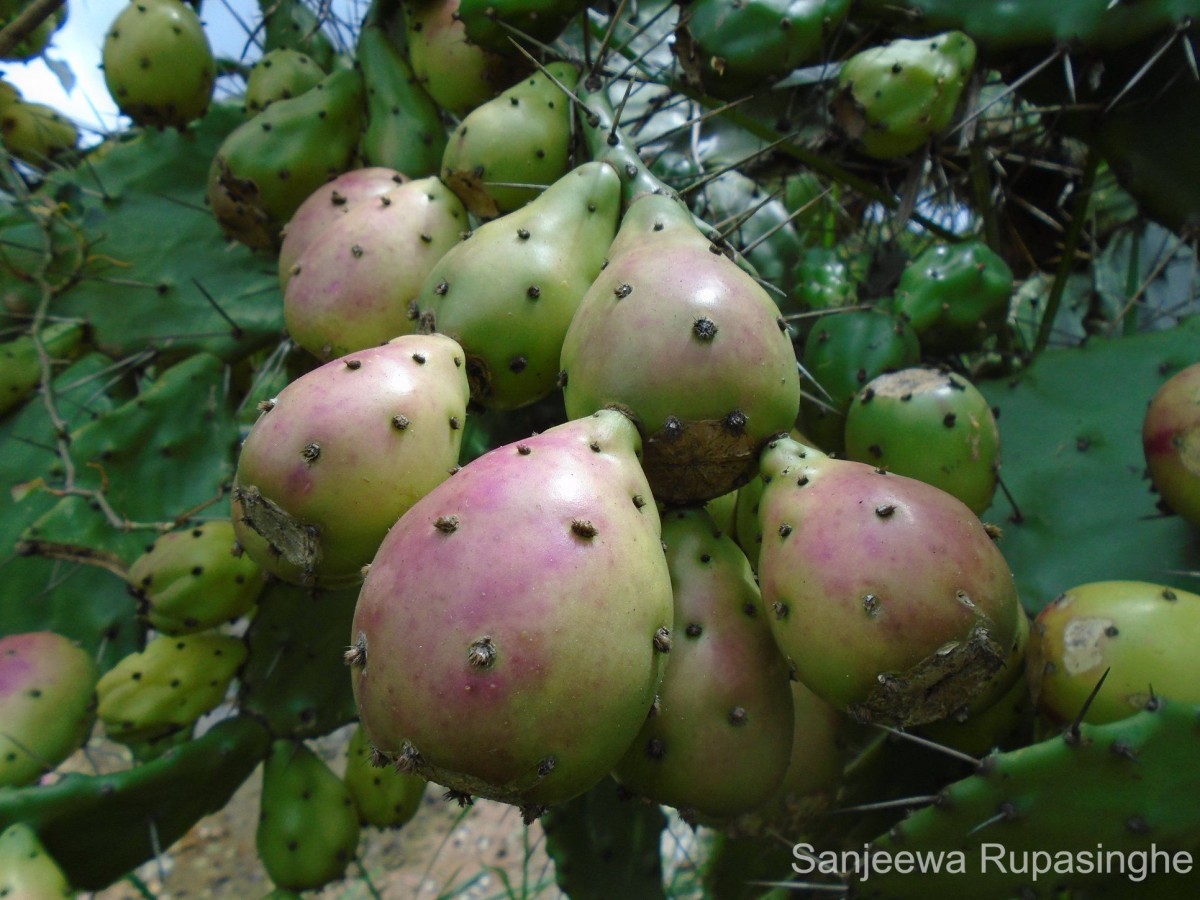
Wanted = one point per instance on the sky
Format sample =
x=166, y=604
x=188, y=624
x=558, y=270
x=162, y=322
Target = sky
x=78, y=45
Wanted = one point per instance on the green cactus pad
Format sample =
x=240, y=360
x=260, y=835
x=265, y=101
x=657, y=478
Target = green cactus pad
x=138, y=811
x=495, y=24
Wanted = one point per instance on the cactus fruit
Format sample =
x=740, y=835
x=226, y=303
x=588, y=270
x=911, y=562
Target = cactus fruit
x=384, y=797
x=158, y=64
x=521, y=137
x=888, y=595
x=343, y=451
x=741, y=45
x=1171, y=442
x=326, y=205
x=954, y=296
x=195, y=579
x=163, y=689
x=1137, y=632
x=664, y=332
x=822, y=280
x=841, y=354
x=279, y=75
x=457, y=73
x=718, y=739
x=308, y=827
x=268, y=166
x=492, y=650
x=404, y=125
x=895, y=97
x=495, y=24
x=928, y=424
x=36, y=133
x=47, y=703
x=509, y=292
x=27, y=871
x=20, y=362
x=356, y=285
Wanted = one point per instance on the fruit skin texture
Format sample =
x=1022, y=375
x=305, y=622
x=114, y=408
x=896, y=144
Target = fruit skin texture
x=279, y=75
x=930, y=425
x=159, y=691
x=508, y=294
x=384, y=797
x=194, y=579
x=308, y=827
x=47, y=703
x=1171, y=442
x=1142, y=633
x=719, y=741
x=35, y=132
x=343, y=451
x=158, y=64
x=511, y=632
x=356, y=285
x=887, y=594
x=326, y=205
x=27, y=872
x=691, y=345
x=895, y=97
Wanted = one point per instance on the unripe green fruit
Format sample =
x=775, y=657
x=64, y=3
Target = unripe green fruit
x=158, y=64
x=895, y=97
x=35, y=132
x=1171, y=441
x=308, y=826
x=384, y=797
x=930, y=425
x=1142, y=634
x=279, y=75
x=195, y=579
x=27, y=872
x=955, y=295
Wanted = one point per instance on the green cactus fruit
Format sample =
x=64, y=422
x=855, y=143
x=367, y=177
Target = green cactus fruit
x=326, y=205
x=308, y=827
x=1090, y=807
x=27, y=871
x=158, y=64
x=166, y=687
x=358, y=284
x=822, y=280
x=8, y=95
x=20, y=363
x=841, y=354
x=741, y=45
x=404, y=125
x=895, y=97
x=495, y=24
x=290, y=24
x=383, y=797
x=36, y=133
x=195, y=579
x=456, y=72
x=521, y=137
x=343, y=452
x=747, y=527
x=954, y=296
x=279, y=75
x=723, y=510
x=268, y=166
x=928, y=424
x=477, y=659
x=1171, y=442
x=509, y=292
x=718, y=738
x=665, y=332
x=888, y=594
x=47, y=703
x=1138, y=632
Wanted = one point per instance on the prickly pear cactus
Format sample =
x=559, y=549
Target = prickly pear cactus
x=26, y=869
